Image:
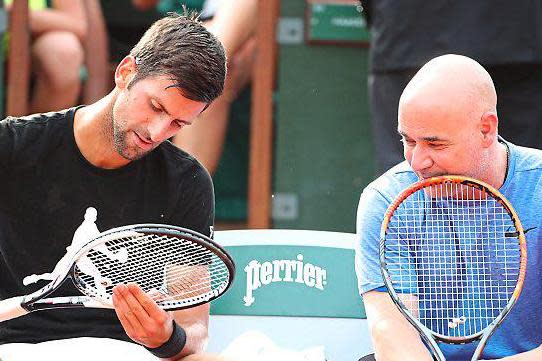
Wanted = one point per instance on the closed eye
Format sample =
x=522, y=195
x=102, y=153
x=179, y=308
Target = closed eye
x=155, y=107
x=408, y=142
x=437, y=145
x=180, y=123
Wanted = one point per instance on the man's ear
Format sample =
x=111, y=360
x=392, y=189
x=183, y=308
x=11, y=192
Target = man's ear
x=488, y=127
x=125, y=71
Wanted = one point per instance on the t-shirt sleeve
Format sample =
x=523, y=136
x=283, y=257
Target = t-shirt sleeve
x=371, y=209
x=6, y=145
x=196, y=208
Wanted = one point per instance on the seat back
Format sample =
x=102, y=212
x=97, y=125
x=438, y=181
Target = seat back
x=291, y=273
x=296, y=286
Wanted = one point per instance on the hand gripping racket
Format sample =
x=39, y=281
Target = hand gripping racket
x=453, y=258
x=178, y=267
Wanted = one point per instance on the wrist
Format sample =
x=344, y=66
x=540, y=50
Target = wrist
x=173, y=346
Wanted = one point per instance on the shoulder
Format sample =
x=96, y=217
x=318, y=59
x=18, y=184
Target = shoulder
x=36, y=124
x=379, y=194
x=391, y=183
x=29, y=137
x=41, y=118
x=525, y=159
x=183, y=166
x=194, y=195
x=525, y=169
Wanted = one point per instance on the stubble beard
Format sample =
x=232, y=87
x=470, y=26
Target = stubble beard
x=119, y=135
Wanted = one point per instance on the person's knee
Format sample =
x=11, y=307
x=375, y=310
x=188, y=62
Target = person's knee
x=58, y=57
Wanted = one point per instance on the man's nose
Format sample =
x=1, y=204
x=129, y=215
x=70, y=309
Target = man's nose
x=159, y=129
x=421, y=159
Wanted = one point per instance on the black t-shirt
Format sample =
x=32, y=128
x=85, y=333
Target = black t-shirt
x=408, y=33
x=46, y=186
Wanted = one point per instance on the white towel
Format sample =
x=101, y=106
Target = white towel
x=257, y=346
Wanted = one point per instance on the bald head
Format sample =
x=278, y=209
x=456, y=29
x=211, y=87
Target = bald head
x=452, y=83
x=448, y=121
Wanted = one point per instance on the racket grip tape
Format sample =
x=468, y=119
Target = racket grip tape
x=173, y=346
x=11, y=308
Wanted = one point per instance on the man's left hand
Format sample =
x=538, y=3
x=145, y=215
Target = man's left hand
x=142, y=319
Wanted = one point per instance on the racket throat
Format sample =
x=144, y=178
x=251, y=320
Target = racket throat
x=65, y=302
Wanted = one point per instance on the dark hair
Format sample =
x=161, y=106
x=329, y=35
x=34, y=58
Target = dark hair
x=181, y=47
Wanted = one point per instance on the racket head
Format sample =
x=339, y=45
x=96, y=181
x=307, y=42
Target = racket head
x=178, y=267
x=453, y=257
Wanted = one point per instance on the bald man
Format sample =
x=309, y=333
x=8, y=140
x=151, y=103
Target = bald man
x=448, y=123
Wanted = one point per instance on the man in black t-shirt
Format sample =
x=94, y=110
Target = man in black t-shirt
x=112, y=155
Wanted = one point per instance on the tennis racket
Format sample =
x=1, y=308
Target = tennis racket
x=453, y=258
x=177, y=267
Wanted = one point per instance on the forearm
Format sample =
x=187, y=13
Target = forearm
x=194, y=321
x=196, y=339
x=393, y=337
x=42, y=21
x=410, y=347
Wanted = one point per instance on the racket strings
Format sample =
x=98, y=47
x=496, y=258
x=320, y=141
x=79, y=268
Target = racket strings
x=175, y=271
x=449, y=258
x=195, y=255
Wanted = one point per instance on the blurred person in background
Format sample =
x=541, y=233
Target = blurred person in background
x=58, y=29
x=506, y=40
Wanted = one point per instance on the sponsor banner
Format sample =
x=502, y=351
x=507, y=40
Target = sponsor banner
x=297, y=280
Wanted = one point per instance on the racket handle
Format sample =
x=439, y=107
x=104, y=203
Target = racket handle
x=11, y=308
